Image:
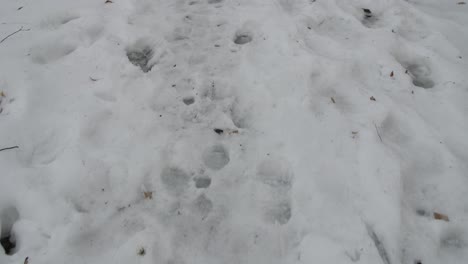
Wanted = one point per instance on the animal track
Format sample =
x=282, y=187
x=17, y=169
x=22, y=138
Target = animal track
x=216, y=157
x=175, y=180
x=51, y=51
x=420, y=75
x=188, y=100
x=277, y=179
x=203, y=205
x=242, y=38
x=7, y=238
x=276, y=174
x=4, y=101
x=202, y=182
x=55, y=21
x=368, y=18
x=453, y=239
x=140, y=55
x=279, y=212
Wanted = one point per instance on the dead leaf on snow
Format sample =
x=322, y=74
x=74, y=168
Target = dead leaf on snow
x=439, y=216
x=148, y=195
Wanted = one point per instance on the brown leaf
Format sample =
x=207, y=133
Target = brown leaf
x=461, y=3
x=26, y=260
x=440, y=216
x=148, y=195
x=372, y=98
x=108, y=2
x=2, y=94
x=392, y=74
x=333, y=100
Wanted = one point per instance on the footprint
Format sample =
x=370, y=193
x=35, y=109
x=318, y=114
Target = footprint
x=242, y=37
x=277, y=180
x=7, y=238
x=279, y=212
x=188, y=100
x=453, y=239
x=57, y=20
x=202, y=206
x=202, y=182
x=276, y=174
x=4, y=101
x=216, y=157
x=51, y=51
x=369, y=18
x=140, y=56
x=214, y=1
x=421, y=75
x=175, y=180
x=105, y=96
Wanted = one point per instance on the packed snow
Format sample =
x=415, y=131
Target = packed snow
x=234, y=131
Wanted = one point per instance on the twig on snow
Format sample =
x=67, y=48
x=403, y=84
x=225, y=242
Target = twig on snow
x=19, y=30
x=14, y=147
x=378, y=133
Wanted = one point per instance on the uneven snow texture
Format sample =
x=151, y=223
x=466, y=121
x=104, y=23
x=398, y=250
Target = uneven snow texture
x=113, y=107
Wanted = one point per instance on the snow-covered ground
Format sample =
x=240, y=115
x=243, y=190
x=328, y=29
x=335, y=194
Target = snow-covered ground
x=234, y=131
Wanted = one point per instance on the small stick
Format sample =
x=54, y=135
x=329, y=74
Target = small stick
x=21, y=29
x=376, y=129
x=14, y=147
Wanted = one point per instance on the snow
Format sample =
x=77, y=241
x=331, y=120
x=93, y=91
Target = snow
x=114, y=107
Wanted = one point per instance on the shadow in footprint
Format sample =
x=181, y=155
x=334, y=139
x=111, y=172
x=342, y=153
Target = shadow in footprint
x=7, y=239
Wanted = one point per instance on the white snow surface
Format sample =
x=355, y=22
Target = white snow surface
x=343, y=131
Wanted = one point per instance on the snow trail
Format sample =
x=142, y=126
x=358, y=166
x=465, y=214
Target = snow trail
x=234, y=131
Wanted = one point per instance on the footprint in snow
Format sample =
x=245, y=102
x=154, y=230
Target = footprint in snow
x=216, y=157
x=8, y=218
x=242, y=37
x=277, y=180
x=420, y=74
x=175, y=180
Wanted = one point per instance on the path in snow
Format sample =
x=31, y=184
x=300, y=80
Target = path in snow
x=234, y=131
